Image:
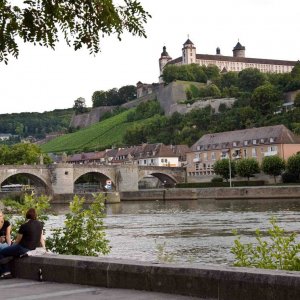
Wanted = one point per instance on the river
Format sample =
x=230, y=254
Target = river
x=190, y=231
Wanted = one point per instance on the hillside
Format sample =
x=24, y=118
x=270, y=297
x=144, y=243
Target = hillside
x=36, y=124
x=98, y=136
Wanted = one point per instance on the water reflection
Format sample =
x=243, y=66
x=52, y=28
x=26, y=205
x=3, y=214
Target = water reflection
x=194, y=231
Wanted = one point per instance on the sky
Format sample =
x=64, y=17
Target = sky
x=43, y=80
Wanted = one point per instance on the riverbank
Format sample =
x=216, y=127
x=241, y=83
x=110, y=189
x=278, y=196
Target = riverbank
x=218, y=193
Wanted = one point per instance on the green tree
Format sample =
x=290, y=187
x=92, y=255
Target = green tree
x=80, y=22
x=23, y=153
x=83, y=232
x=127, y=93
x=247, y=167
x=249, y=79
x=293, y=165
x=80, y=106
x=229, y=79
x=99, y=98
x=297, y=100
x=295, y=73
x=222, y=167
x=273, y=165
x=265, y=98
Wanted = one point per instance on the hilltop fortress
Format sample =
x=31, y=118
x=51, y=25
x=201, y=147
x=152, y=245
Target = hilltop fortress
x=172, y=95
x=236, y=63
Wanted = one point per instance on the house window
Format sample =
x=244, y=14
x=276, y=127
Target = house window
x=271, y=140
x=205, y=156
x=254, y=152
x=145, y=162
x=234, y=144
x=198, y=148
x=162, y=160
x=262, y=141
x=272, y=149
x=245, y=143
x=254, y=142
x=197, y=167
x=245, y=152
x=213, y=156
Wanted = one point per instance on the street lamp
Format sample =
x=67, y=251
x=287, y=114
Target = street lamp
x=229, y=171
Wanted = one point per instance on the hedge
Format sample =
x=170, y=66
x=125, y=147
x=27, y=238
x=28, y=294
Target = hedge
x=219, y=184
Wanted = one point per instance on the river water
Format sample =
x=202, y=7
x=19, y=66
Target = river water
x=190, y=231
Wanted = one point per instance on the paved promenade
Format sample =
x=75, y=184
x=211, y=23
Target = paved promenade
x=23, y=289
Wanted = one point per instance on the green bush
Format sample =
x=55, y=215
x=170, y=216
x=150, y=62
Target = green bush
x=277, y=251
x=83, y=233
x=289, y=177
x=217, y=179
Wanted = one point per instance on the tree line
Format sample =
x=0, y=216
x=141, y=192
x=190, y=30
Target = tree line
x=36, y=124
x=271, y=165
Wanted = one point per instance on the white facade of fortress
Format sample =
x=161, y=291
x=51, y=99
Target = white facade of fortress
x=236, y=63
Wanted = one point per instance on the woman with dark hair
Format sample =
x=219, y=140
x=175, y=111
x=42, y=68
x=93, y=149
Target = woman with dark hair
x=5, y=230
x=30, y=236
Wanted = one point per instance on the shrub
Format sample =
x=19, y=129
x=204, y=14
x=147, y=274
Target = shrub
x=289, y=177
x=83, y=233
x=217, y=179
x=278, y=251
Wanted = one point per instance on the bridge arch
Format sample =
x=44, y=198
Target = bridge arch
x=91, y=181
x=38, y=182
x=164, y=180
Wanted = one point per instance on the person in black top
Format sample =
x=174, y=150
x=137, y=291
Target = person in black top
x=5, y=230
x=30, y=236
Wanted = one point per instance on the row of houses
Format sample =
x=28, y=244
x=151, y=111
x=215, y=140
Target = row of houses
x=145, y=155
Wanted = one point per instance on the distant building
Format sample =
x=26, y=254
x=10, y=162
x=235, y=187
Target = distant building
x=237, y=62
x=5, y=136
x=248, y=143
x=144, y=155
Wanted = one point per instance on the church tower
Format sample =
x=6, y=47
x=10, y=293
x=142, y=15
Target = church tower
x=164, y=58
x=239, y=50
x=188, y=53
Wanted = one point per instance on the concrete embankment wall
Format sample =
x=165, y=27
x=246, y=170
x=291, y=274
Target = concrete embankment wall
x=208, y=282
x=269, y=192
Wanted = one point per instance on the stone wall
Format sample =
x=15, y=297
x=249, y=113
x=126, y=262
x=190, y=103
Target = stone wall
x=92, y=117
x=205, y=282
x=234, y=193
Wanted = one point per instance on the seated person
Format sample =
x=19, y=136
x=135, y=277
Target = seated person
x=30, y=236
x=5, y=231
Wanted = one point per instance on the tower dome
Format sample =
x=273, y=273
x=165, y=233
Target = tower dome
x=164, y=53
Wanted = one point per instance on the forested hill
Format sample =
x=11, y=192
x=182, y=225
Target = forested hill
x=36, y=124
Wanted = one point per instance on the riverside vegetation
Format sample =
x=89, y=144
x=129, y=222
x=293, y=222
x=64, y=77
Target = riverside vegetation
x=83, y=232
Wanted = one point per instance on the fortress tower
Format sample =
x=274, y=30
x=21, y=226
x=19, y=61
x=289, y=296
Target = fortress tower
x=239, y=50
x=163, y=60
x=188, y=53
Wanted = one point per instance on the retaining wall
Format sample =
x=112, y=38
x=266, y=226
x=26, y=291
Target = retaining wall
x=208, y=282
x=221, y=193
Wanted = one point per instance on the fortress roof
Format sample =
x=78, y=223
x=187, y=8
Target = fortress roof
x=238, y=46
x=238, y=59
x=188, y=42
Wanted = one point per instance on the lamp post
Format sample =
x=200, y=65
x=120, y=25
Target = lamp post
x=230, y=171
x=229, y=161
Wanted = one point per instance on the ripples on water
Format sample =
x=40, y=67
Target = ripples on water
x=193, y=231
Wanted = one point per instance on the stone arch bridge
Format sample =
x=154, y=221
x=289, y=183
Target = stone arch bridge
x=60, y=178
